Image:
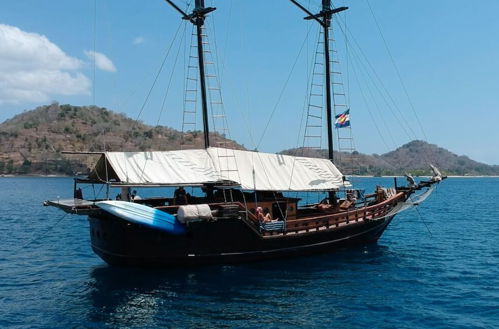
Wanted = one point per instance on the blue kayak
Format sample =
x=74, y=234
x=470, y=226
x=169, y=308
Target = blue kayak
x=141, y=214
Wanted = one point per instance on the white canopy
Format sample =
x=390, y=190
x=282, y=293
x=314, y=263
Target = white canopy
x=250, y=170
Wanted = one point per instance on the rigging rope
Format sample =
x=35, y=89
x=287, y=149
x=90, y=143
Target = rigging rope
x=159, y=71
x=358, y=61
x=422, y=219
x=381, y=88
x=366, y=103
x=396, y=69
x=171, y=77
x=44, y=232
x=370, y=92
x=428, y=157
x=94, y=57
x=282, y=91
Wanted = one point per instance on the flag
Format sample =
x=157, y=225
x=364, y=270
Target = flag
x=342, y=120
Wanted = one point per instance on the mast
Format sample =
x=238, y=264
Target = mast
x=197, y=18
x=324, y=19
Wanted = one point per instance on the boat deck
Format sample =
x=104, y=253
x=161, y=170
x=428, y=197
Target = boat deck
x=311, y=220
x=73, y=205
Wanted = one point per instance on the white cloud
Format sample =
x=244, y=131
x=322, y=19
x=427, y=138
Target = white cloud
x=138, y=40
x=101, y=61
x=33, y=69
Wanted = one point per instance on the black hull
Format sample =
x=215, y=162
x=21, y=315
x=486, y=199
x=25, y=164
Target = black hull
x=227, y=241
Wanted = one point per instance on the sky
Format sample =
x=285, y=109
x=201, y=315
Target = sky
x=412, y=70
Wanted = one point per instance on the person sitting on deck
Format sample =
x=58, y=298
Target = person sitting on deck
x=352, y=196
x=180, y=196
x=263, y=217
x=380, y=194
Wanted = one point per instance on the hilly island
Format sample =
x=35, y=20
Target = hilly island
x=33, y=143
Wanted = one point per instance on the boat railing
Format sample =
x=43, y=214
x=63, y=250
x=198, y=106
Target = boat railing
x=328, y=221
x=350, y=215
x=325, y=221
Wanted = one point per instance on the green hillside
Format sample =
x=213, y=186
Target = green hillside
x=413, y=157
x=32, y=142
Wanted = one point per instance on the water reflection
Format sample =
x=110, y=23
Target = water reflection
x=249, y=292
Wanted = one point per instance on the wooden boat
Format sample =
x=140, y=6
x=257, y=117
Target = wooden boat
x=235, y=187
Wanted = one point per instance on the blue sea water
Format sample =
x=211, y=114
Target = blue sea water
x=449, y=278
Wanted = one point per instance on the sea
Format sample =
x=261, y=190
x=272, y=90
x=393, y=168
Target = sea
x=436, y=266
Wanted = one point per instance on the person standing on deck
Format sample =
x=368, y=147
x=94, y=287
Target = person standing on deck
x=180, y=196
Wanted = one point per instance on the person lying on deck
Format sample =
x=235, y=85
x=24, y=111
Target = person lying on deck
x=325, y=205
x=263, y=217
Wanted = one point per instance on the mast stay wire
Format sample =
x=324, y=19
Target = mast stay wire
x=305, y=101
x=218, y=79
x=277, y=103
x=349, y=94
x=44, y=232
x=308, y=95
x=308, y=60
x=304, y=110
x=94, y=57
x=374, y=121
x=170, y=79
x=396, y=69
x=154, y=83
x=94, y=70
x=283, y=90
x=171, y=76
x=221, y=62
x=367, y=69
x=422, y=219
x=245, y=98
x=382, y=90
x=158, y=72
x=373, y=98
x=346, y=31
x=354, y=57
x=182, y=40
x=429, y=158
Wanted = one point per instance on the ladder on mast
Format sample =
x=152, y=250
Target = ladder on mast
x=226, y=156
x=312, y=138
x=347, y=158
x=191, y=94
x=210, y=88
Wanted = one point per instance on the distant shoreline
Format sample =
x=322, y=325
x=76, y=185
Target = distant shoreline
x=450, y=176
x=356, y=176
